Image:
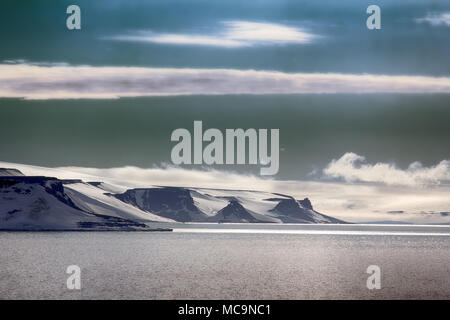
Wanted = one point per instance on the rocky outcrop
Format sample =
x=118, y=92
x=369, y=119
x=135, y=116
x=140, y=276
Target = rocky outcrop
x=169, y=202
x=10, y=172
x=41, y=204
x=234, y=212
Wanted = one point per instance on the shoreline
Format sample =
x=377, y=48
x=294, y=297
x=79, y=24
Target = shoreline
x=84, y=230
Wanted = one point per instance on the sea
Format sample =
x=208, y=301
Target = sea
x=230, y=261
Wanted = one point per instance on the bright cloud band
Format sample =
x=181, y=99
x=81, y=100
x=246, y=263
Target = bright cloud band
x=352, y=168
x=235, y=34
x=31, y=81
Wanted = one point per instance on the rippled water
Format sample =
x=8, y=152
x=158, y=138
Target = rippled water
x=229, y=262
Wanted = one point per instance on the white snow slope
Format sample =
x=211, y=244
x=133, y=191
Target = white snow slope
x=75, y=201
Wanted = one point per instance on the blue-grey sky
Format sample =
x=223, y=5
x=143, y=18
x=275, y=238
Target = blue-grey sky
x=327, y=82
x=413, y=39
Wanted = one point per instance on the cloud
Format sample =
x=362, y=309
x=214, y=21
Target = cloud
x=162, y=175
x=234, y=34
x=175, y=176
x=352, y=168
x=43, y=81
x=436, y=19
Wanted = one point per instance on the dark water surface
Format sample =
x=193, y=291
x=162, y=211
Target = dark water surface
x=194, y=264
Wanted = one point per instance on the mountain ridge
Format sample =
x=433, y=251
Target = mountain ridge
x=47, y=203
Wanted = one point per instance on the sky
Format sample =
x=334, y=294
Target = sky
x=354, y=106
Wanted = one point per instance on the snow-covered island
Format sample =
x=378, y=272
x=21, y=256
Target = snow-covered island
x=43, y=203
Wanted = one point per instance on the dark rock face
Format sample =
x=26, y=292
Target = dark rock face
x=10, y=172
x=301, y=211
x=305, y=203
x=95, y=183
x=292, y=208
x=52, y=186
x=234, y=212
x=71, y=181
x=169, y=202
